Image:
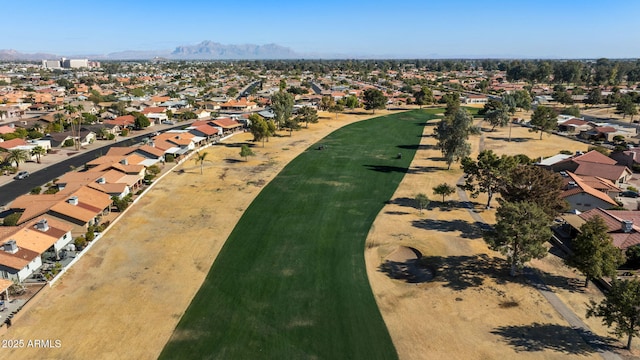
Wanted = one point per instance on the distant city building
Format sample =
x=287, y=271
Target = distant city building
x=69, y=64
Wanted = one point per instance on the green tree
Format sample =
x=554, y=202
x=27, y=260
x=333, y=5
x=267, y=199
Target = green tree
x=627, y=107
x=497, y=117
x=141, y=121
x=232, y=92
x=307, y=115
x=351, y=102
x=444, y=189
x=336, y=109
x=16, y=156
x=38, y=151
x=282, y=106
x=520, y=232
x=452, y=134
x=594, y=97
x=326, y=103
x=594, y=254
x=424, y=96
x=534, y=184
x=620, y=308
x=488, y=174
x=423, y=201
x=259, y=128
x=544, y=119
x=292, y=124
x=571, y=110
x=453, y=104
x=245, y=151
x=201, y=158
x=374, y=99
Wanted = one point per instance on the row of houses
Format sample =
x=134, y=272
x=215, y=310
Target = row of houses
x=85, y=198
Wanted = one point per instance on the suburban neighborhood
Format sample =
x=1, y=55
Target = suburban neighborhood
x=148, y=120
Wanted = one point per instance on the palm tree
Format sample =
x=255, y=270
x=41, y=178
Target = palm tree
x=200, y=158
x=38, y=151
x=17, y=156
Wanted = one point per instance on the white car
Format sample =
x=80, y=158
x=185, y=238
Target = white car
x=21, y=175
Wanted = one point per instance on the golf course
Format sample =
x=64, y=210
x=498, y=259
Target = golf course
x=290, y=281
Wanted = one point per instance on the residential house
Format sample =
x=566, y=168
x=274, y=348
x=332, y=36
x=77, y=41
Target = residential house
x=177, y=142
x=79, y=208
x=475, y=99
x=627, y=158
x=574, y=126
x=621, y=224
x=125, y=121
x=594, y=163
x=156, y=114
x=239, y=105
x=582, y=197
x=228, y=125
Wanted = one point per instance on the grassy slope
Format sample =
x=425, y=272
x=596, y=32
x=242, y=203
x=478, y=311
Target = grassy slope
x=290, y=282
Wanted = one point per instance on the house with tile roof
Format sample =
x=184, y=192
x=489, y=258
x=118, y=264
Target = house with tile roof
x=594, y=163
x=582, y=197
x=125, y=121
x=622, y=225
x=79, y=208
x=628, y=158
x=23, y=248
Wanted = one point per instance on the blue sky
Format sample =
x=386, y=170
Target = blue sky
x=410, y=28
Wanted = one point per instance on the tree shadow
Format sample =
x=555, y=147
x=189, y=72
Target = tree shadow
x=232, y=161
x=423, y=169
x=397, y=212
x=467, y=229
x=238, y=145
x=513, y=139
x=387, y=168
x=405, y=201
x=411, y=271
x=416, y=147
x=463, y=272
x=560, y=338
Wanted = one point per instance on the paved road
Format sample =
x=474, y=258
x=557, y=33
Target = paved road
x=13, y=189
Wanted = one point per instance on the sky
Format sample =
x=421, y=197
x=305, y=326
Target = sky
x=378, y=29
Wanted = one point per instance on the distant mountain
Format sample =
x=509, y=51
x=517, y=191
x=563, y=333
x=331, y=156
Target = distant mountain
x=12, y=55
x=210, y=50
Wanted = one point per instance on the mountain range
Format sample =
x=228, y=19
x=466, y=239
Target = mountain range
x=206, y=50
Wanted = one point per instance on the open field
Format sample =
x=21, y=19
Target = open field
x=124, y=298
x=290, y=281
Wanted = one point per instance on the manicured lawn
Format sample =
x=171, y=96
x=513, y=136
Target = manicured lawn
x=290, y=282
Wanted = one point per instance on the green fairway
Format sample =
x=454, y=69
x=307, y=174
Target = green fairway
x=290, y=282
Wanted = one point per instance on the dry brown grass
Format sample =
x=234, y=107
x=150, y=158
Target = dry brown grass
x=471, y=309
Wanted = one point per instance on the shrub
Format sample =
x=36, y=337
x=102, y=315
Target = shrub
x=89, y=236
x=80, y=242
x=124, y=132
x=111, y=136
x=170, y=158
x=36, y=190
x=11, y=219
x=52, y=190
x=68, y=143
x=632, y=188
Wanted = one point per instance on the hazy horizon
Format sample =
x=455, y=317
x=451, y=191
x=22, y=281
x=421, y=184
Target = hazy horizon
x=414, y=29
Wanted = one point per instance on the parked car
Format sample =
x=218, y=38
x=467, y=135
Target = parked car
x=629, y=194
x=21, y=175
x=168, y=122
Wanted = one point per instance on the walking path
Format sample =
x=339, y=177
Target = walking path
x=574, y=321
